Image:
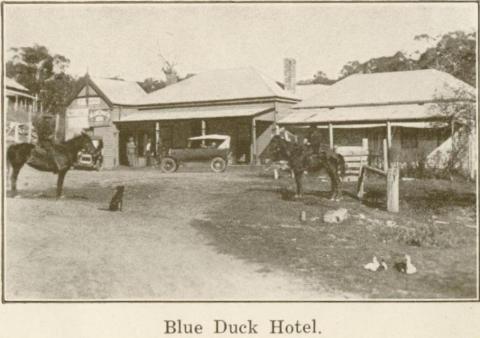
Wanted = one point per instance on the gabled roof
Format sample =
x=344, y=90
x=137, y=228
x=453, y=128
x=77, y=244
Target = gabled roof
x=119, y=91
x=388, y=88
x=218, y=85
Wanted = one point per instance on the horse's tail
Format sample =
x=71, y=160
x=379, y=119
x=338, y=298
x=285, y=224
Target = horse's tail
x=342, y=164
x=9, y=159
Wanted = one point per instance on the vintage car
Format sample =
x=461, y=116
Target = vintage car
x=213, y=149
x=87, y=160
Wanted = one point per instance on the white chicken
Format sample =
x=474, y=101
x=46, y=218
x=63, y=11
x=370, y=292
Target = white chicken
x=372, y=266
x=411, y=269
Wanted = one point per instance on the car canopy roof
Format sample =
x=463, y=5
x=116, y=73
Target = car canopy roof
x=210, y=137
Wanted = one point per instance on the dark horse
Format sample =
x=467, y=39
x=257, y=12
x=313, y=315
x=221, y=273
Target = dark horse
x=66, y=153
x=301, y=158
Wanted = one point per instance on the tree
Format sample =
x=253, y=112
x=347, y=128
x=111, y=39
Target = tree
x=352, y=67
x=43, y=74
x=150, y=84
x=322, y=78
x=455, y=53
x=460, y=114
x=397, y=62
x=319, y=78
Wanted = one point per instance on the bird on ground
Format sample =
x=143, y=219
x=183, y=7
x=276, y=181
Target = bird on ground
x=406, y=266
x=383, y=265
x=372, y=266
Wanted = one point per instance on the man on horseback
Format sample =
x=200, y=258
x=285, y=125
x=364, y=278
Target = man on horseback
x=315, y=139
x=311, y=158
x=46, y=145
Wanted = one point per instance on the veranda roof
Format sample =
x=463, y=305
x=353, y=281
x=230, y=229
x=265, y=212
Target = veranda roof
x=13, y=88
x=198, y=113
x=367, y=114
x=11, y=83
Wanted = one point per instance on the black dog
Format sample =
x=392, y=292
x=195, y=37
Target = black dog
x=116, y=203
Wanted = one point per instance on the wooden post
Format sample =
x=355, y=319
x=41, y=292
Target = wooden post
x=35, y=104
x=361, y=182
x=389, y=135
x=15, y=106
x=157, y=138
x=393, y=185
x=253, y=155
x=365, y=144
x=29, y=137
x=330, y=135
x=16, y=134
x=385, y=155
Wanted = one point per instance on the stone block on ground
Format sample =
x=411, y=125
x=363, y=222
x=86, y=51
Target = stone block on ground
x=335, y=216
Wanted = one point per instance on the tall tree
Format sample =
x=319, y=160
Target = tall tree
x=43, y=74
x=455, y=53
x=397, y=62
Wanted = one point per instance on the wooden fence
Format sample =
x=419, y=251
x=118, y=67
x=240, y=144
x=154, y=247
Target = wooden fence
x=393, y=185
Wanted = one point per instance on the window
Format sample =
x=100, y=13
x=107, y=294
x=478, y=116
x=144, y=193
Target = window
x=409, y=137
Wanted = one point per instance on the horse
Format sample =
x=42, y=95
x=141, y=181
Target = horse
x=66, y=152
x=301, y=158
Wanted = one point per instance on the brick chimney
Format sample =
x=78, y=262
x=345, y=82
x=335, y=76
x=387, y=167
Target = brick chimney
x=289, y=72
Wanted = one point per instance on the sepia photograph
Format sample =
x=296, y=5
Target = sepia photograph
x=240, y=152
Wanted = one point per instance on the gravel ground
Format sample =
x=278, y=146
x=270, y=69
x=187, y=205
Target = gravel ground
x=71, y=249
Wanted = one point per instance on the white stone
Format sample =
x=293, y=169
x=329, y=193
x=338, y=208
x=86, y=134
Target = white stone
x=335, y=216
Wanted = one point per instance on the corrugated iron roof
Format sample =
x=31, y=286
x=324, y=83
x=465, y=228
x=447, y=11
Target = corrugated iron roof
x=218, y=85
x=388, y=88
x=364, y=114
x=120, y=91
x=14, y=92
x=11, y=83
x=197, y=113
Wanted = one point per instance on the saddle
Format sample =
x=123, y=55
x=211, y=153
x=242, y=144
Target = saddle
x=44, y=160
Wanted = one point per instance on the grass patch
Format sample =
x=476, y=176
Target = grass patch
x=260, y=222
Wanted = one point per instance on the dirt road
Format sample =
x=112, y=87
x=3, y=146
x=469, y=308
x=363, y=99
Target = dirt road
x=71, y=249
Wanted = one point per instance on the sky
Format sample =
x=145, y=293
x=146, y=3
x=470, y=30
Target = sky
x=126, y=40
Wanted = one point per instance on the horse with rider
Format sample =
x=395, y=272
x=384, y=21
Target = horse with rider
x=47, y=155
x=309, y=156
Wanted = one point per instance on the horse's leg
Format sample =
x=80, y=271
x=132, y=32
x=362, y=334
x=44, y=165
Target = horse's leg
x=339, y=183
x=299, y=183
x=333, y=181
x=13, y=179
x=61, y=177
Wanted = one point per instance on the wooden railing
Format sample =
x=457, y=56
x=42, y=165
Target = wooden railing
x=393, y=184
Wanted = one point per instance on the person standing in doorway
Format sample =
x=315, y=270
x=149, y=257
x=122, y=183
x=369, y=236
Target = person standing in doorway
x=148, y=152
x=131, y=152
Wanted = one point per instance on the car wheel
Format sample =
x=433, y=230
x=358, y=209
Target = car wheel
x=168, y=165
x=218, y=165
